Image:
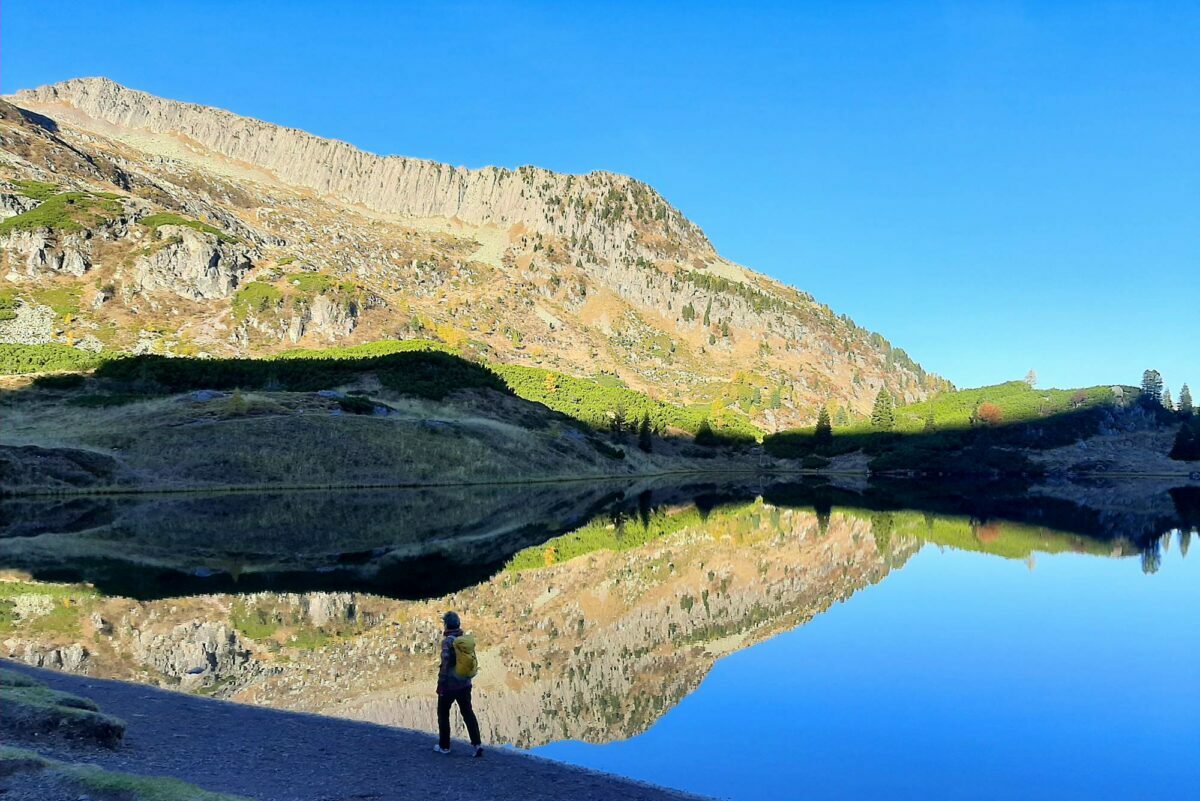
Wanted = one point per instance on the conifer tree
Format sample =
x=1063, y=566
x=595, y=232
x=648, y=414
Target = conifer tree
x=930, y=422
x=1187, y=441
x=823, y=435
x=883, y=415
x=1185, y=400
x=842, y=417
x=776, y=400
x=1152, y=387
x=708, y=313
x=1031, y=378
x=645, y=438
x=618, y=420
x=1167, y=402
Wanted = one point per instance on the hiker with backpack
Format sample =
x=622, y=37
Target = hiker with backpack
x=458, y=667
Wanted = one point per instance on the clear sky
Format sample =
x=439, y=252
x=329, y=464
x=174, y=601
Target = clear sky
x=992, y=186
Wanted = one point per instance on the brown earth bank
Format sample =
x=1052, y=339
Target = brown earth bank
x=269, y=755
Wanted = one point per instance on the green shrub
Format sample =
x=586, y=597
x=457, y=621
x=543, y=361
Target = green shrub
x=22, y=359
x=66, y=212
x=37, y=190
x=596, y=402
x=167, y=218
x=8, y=305
x=255, y=298
x=59, y=381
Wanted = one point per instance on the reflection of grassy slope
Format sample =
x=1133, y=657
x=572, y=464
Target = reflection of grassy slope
x=62, y=603
x=605, y=534
x=999, y=538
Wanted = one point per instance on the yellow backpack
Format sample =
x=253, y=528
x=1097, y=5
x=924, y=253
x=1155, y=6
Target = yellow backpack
x=465, y=663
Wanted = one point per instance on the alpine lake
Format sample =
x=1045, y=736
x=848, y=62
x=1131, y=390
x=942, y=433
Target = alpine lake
x=741, y=637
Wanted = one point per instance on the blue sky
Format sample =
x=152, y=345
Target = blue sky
x=993, y=186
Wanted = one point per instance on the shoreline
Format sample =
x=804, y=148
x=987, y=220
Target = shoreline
x=1185, y=475
x=271, y=755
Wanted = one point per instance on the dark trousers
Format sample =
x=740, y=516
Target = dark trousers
x=463, y=699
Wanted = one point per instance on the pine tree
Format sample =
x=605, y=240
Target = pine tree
x=704, y=434
x=1031, y=378
x=841, y=417
x=1185, y=400
x=1167, y=402
x=708, y=313
x=1187, y=441
x=930, y=422
x=618, y=420
x=776, y=397
x=1152, y=387
x=645, y=438
x=883, y=415
x=823, y=435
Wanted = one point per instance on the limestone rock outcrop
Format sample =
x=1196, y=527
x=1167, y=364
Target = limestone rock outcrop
x=34, y=253
x=192, y=264
x=589, y=208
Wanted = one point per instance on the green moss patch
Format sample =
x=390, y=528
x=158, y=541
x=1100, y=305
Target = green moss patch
x=34, y=711
x=154, y=221
x=100, y=784
x=37, y=190
x=66, y=212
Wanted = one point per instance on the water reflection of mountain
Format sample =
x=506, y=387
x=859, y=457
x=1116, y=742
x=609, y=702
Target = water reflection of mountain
x=590, y=635
x=424, y=542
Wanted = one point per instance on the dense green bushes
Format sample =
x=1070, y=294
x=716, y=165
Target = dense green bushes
x=167, y=218
x=603, y=405
x=424, y=373
x=66, y=212
x=22, y=359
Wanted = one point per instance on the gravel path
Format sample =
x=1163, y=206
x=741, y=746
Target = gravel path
x=271, y=755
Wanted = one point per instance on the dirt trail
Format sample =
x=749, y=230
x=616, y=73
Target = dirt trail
x=270, y=755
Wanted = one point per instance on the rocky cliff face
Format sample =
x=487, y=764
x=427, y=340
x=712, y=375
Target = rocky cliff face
x=275, y=237
x=568, y=206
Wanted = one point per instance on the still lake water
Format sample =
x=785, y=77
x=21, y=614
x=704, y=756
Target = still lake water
x=961, y=675
x=740, y=639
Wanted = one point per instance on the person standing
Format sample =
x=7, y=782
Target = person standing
x=454, y=683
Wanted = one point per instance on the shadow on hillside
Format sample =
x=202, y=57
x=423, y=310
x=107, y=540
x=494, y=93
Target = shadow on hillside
x=429, y=542
x=977, y=449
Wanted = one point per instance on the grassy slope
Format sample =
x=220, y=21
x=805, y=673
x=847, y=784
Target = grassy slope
x=440, y=371
x=1018, y=402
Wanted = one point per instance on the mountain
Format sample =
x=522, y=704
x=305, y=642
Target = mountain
x=137, y=223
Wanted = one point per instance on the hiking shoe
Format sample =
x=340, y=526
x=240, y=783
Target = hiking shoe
x=437, y=749
x=478, y=751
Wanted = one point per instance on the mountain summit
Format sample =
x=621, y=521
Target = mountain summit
x=139, y=223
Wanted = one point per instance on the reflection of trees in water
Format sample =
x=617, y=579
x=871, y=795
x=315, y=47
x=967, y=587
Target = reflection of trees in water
x=1152, y=552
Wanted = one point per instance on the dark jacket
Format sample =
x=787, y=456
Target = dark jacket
x=447, y=681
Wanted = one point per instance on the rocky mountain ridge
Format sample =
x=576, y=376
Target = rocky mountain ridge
x=182, y=229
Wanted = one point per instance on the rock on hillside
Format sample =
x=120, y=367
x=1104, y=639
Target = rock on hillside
x=588, y=274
